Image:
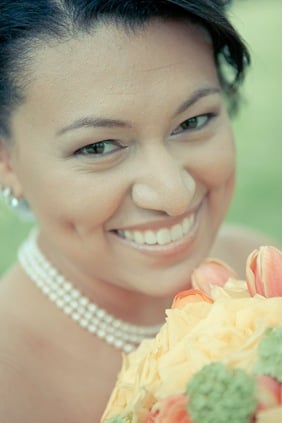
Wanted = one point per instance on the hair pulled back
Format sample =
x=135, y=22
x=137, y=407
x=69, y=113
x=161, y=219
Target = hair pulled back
x=24, y=24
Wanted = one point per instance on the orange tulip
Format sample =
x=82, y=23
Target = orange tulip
x=264, y=272
x=212, y=272
x=189, y=296
x=171, y=410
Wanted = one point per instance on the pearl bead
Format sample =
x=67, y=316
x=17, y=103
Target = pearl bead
x=60, y=303
x=92, y=328
x=83, y=301
x=92, y=308
x=75, y=316
x=67, y=310
x=83, y=323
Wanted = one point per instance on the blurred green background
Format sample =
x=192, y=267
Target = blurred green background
x=258, y=130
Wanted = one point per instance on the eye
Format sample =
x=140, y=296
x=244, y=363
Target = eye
x=100, y=148
x=194, y=123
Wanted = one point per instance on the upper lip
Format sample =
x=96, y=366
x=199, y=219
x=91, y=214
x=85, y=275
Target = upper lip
x=159, y=224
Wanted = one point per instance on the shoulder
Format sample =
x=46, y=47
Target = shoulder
x=235, y=242
x=18, y=393
x=12, y=372
x=17, y=382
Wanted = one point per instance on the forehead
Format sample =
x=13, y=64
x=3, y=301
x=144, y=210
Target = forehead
x=112, y=51
x=112, y=66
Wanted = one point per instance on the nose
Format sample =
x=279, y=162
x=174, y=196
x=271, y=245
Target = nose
x=165, y=185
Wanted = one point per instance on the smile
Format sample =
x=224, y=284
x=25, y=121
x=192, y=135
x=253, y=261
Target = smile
x=162, y=236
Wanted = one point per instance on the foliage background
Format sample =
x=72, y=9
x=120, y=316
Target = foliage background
x=258, y=130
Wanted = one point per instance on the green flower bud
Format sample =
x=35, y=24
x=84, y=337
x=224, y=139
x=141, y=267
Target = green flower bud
x=270, y=354
x=117, y=419
x=218, y=394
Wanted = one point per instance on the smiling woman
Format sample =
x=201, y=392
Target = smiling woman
x=103, y=157
x=126, y=158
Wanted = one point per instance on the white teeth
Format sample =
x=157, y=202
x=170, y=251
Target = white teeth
x=176, y=232
x=138, y=237
x=150, y=238
x=162, y=236
x=129, y=235
x=187, y=223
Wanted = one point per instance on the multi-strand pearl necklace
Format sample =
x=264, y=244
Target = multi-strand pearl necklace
x=118, y=333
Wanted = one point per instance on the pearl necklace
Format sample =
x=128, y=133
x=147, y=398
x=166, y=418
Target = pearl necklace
x=118, y=333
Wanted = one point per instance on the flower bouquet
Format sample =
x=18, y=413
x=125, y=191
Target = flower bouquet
x=218, y=357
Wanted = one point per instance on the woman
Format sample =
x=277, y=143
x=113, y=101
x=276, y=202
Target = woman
x=115, y=131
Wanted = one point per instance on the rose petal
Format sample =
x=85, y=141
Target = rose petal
x=272, y=415
x=269, y=392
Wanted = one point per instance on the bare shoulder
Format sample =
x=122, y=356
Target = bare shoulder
x=19, y=398
x=13, y=376
x=235, y=242
x=11, y=387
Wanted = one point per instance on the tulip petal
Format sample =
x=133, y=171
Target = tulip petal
x=264, y=272
x=190, y=296
x=212, y=272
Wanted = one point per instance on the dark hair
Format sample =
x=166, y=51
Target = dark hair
x=25, y=23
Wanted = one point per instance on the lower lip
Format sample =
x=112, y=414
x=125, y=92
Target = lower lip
x=173, y=248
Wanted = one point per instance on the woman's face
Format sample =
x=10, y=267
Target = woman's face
x=124, y=150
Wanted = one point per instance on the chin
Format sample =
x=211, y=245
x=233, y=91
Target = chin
x=162, y=287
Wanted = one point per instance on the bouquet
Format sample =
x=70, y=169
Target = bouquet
x=218, y=357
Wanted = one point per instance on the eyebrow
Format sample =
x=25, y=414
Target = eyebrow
x=94, y=122
x=196, y=96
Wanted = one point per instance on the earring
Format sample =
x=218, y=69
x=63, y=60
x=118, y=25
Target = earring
x=9, y=198
x=19, y=205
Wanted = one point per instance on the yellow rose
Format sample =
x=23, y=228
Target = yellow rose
x=272, y=415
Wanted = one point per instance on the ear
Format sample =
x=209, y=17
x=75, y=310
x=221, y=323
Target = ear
x=8, y=177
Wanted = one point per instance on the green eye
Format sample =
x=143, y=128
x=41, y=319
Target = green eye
x=194, y=123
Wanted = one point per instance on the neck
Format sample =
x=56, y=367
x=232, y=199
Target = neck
x=133, y=306
x=114, y=330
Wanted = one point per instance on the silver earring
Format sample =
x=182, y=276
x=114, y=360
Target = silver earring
x=19, y=205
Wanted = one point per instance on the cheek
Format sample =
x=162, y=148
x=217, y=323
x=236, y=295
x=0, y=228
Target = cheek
x=214, y=164
x=72, y=198
x=221, y=176
x=221, y=173
x=221, y=181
